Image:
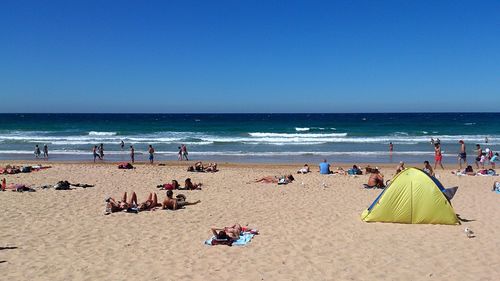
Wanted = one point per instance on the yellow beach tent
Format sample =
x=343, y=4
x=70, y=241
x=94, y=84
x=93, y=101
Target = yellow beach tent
x=412, y=197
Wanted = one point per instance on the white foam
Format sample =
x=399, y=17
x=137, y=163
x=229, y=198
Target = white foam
x=302, y=129
x=307, y=135
x=94, y=133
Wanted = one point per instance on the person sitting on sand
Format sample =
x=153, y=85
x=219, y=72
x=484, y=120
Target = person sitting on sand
x=355, y=170
x=376, y=179
x=113, y=206
x=188, y=185
x=279, y=180
x=428, y=168
x=469, y=171
x=304, y=170
x=179, y=202
x=400, y=167
x=324, y=168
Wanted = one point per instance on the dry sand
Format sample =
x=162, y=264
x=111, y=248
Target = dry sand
x=308, y=232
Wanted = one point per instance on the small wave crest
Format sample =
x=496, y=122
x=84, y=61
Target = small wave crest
x=298, y=129
x=104, y=134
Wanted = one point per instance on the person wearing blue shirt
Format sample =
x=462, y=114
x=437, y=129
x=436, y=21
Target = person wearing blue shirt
x=324, y=168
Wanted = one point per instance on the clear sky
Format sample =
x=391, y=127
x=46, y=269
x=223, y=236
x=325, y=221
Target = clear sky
x=249, y=56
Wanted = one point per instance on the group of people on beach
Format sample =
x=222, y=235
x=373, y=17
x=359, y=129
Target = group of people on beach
x=38, y=153
x=151, y=203
x=188, y=185
x=98, y=152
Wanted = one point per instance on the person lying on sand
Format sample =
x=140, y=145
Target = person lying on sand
x=376, y=180
x=212, y=168
x=150, y=203
x=113, y=205
x=169, y=186
x=279, y=180
x=231, y=232
x=304, y=170
x=188, y=185
x=179, y=202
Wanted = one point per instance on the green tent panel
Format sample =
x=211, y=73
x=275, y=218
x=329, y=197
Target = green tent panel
x=412, y=197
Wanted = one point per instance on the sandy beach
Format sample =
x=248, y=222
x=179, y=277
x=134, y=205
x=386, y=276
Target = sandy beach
x=307, y=231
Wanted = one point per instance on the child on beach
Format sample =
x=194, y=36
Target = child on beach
x=493, y=160
x=428, y=168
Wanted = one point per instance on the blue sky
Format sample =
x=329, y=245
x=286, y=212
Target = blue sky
x=249, y=56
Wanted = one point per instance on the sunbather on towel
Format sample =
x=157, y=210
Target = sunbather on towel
x=230, y=232
x=275, y=179
x=113, y=206
x=171, y=203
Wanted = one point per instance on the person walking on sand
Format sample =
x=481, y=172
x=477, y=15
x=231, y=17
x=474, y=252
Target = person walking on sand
x=479, y=154
x=151, y=152
x=37, y=151
x=94, y=152
x=179, y=154
x=132, y=153
x=438, y=156
x=184, y=152
x=101, y=151
x=462, y=155
x=45, y=151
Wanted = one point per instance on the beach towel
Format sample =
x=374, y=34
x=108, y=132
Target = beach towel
x=244, y=239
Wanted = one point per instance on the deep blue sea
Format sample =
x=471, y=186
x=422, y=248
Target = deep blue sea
x=249, y=137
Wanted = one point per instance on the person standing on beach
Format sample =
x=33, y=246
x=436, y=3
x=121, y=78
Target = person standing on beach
x=101, y=151
x=479, y=153
x=132, y=153
x=37, y=151
x=94, y=152
x=122, y=145
x=462, y=155
x=179, y=154
x=391, y=147
x=45, y=151
x=438, y=156
x=151, y=152
x=184, y=152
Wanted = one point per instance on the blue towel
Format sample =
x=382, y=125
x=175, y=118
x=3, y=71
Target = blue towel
x=242, y=241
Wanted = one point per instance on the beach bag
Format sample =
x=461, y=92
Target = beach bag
x=496, y=186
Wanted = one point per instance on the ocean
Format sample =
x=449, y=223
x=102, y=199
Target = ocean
x=298, y=138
